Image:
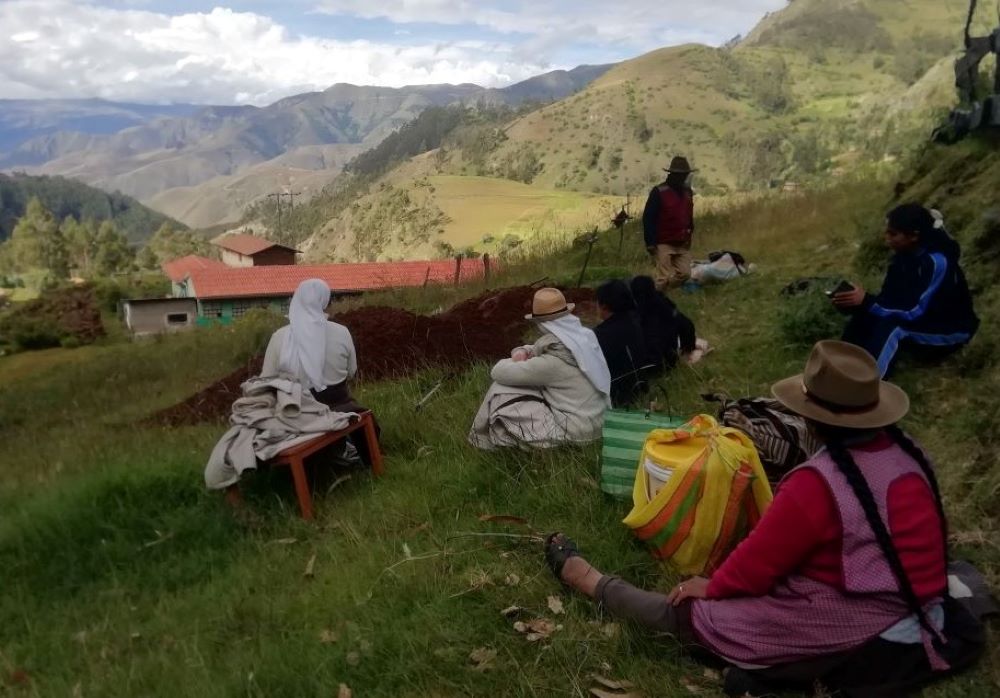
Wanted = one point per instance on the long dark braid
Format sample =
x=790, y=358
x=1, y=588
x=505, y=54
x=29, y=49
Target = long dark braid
x=914, y=452
x=845, y=462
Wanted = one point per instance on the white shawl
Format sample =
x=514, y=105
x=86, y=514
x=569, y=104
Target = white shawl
x=304, y=350
x=583, y=344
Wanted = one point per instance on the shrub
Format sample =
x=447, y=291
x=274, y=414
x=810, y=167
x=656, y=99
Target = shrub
x=807, y=318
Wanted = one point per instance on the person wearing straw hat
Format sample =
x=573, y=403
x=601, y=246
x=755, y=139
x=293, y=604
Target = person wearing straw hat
x=550, y=393
x=845, y=578
x=668, y=224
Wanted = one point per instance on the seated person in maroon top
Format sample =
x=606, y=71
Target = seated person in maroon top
x=844, y=579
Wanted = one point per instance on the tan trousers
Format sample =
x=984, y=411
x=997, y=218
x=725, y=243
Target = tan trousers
x=673, y=266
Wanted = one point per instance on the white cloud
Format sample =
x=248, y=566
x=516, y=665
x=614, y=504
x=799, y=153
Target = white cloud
x=645, y=23
x=123, y=51
x=216, y=57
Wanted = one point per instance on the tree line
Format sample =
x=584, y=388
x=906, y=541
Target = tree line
x=88, y=248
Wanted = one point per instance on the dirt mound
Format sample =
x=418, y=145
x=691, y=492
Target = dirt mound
x=392, y=343
x=64, y=316
x=211, y=404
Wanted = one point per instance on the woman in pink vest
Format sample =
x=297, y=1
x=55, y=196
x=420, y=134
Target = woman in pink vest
x=845, y=578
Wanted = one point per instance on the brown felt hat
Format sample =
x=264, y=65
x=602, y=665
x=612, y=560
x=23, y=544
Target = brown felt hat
x=549, y=304
x=680, y=165
x=841, y=387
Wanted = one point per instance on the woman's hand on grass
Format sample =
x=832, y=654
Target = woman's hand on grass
x=694, y=588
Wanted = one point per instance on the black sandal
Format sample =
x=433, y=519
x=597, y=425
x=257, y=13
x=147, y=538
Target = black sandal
x=556, y=554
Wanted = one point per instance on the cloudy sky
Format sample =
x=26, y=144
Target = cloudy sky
x=257, y=51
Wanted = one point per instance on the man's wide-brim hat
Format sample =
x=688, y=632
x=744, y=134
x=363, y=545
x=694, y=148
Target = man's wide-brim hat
x=549, y=304
x=680, y=165
x=841, y=387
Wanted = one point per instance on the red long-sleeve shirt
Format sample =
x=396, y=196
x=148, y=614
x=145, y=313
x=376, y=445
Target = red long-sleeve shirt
x=801, y=533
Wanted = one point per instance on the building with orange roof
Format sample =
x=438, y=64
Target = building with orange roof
x=226, y=293
x=243, y=250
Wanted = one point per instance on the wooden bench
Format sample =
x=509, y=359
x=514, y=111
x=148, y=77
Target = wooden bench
x=295, y=457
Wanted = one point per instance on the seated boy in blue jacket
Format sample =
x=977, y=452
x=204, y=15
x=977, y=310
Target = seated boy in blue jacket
x=924, y=303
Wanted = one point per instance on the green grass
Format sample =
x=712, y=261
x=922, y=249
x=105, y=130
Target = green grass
x=123, y=577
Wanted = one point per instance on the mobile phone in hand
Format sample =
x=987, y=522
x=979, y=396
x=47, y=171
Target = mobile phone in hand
x=842, y=287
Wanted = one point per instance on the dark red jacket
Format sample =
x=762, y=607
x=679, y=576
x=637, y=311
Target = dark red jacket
x=668, y=218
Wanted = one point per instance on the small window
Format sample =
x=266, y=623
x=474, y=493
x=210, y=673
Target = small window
x=177, y=318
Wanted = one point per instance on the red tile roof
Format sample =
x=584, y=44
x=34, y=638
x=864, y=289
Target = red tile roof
x=180, y=269
x=248, y=245
x=282, y=280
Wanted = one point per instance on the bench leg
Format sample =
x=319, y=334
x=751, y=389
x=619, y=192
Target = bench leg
x=371, y=438
x=302, y=487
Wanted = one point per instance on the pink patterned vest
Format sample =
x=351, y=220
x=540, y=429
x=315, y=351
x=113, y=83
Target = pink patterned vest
x=802, y=618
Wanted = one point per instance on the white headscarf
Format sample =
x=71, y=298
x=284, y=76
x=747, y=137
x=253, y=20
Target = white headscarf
x=582, y=342
x=303, y=352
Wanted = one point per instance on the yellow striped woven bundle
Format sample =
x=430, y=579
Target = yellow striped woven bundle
x=715, y=492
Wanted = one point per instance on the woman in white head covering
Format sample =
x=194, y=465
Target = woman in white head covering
x=551, y=393
x=315, y=351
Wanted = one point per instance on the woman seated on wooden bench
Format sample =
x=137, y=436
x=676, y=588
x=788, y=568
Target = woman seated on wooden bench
x=317, y=352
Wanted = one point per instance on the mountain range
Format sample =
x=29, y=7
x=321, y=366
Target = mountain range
x=234, y=155
x=818, y=89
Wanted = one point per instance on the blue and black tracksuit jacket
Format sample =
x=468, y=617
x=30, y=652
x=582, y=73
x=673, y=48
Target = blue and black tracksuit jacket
x=925, y=300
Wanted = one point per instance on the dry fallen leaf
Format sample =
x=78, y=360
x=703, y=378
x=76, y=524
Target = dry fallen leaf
x=511, y=611
x=483, y=658
x=600, y=693
x=692, y=688
x=284, y=541
x=611, y=683
x=344, y=691
x=537, y=629
x=512, y=580
x=711, y=674
x=19, y=677
x=327, y=636
x=353, y=658
x=504, y=518
x=556, y=605
x=611, y=629
x=310, y=566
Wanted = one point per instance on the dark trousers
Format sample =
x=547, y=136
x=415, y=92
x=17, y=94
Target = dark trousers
x=883, y=338
x=338, y=398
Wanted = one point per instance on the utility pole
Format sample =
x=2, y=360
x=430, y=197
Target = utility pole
x=291, y=198
x=277, y=198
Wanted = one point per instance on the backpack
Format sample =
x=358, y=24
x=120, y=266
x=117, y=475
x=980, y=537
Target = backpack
x=782, y=438
x=699, y=490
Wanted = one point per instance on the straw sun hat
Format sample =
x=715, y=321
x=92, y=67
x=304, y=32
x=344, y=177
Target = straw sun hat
x=549, y=304
x=841, y=387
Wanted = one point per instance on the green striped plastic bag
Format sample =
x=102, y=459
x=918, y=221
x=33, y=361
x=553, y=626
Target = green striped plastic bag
x=624, y=435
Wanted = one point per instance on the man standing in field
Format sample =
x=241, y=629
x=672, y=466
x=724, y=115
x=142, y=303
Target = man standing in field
x=668, y=223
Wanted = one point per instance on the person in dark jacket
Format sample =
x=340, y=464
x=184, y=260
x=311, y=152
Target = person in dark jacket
x=621, y=342
x=665, y=329
x=924, y=304
x=668, y=224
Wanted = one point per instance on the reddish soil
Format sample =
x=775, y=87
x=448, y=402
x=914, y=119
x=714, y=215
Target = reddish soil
x=392, y=343
x=61, y=313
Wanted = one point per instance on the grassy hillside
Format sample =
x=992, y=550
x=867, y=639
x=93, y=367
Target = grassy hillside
x=421, y=216
x=123, y=577
x=817, y=90
x=806, y=90
x=66, y=197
